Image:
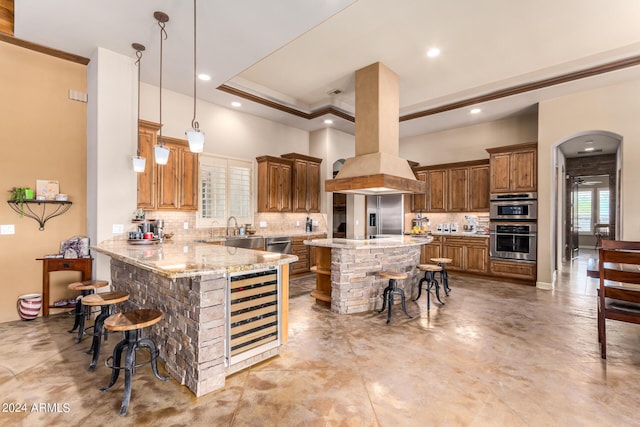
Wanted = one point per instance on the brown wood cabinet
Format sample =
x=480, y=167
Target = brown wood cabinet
x=274, y=184
x=437, y=190
x=514, y=270
x=479, y=188
x=305, y=182
x=431, y=250
x=453, y=187
x=458, y=189
x=468, y=254
x=305, y=254
x=173, y=186
x=419, y=201
x=514, y=168
x=147, y=195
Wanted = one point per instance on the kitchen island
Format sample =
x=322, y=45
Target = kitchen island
x=347, y=270
x=224, y=308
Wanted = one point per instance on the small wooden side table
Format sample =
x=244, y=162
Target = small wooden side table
x=83, y=265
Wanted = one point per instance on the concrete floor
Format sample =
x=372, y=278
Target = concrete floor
x=496, y=354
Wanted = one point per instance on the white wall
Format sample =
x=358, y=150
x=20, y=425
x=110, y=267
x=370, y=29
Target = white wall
x=470, y=142
x=331, y=145
x=228, y=132
x=614, y=108
x=111, y=141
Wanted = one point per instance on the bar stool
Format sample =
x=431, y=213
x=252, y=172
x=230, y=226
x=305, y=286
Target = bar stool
x=444, y=276
x=430, y=271
x=391, y=289
x=105, y=301
x=131, y=323
x=87, y=287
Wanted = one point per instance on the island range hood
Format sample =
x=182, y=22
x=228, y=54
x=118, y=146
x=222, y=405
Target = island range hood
x=376, y=168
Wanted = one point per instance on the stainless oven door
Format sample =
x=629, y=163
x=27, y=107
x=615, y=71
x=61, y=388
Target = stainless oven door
x=513, y=210
x=513, y=241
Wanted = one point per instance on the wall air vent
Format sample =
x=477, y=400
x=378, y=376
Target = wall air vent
x=582, y=153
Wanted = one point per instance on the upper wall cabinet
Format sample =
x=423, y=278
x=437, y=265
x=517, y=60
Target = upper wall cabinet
x=453, y=187
x=419, y=201
x=437, y=193
x=173, y=186
x=274, y=184
x=479, y=187
x=514, y=168
x=305, y=182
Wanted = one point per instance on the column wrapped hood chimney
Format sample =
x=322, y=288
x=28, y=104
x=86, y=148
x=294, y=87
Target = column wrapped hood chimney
x=376, y=168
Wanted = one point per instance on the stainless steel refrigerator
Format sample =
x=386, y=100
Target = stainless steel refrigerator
x=385, y=216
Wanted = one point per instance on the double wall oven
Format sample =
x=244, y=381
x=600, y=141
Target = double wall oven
x=512, y=227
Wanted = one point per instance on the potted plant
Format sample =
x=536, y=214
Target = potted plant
x=19, y=195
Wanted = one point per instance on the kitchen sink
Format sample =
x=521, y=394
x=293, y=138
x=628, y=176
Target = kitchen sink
x=247, y=242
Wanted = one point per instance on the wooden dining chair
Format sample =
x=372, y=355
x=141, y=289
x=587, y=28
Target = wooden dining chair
x=619, y=292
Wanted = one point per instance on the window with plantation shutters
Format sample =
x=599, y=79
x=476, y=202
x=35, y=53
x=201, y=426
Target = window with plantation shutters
x=585, y=208
x=603, y=205
x=225, y=190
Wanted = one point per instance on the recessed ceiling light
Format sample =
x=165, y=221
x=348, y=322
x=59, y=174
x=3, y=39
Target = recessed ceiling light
x=589, y=149
x=236, y=104
x=475, y=111
x=589, y=142
x=205, y=77
x=328, y=122
x=433, y=52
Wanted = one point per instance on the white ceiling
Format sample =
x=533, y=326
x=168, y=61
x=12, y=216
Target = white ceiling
x=295, y=51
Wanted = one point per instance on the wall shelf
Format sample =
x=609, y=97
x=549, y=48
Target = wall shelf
x=40, y=210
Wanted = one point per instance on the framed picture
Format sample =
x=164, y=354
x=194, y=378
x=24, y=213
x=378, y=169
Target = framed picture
x=47, y=188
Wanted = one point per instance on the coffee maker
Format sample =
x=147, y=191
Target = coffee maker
x=155, y=226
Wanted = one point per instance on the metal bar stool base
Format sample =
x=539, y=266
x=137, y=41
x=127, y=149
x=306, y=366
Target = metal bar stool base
x=133, y=341
x=429, y=277
x=387, y=298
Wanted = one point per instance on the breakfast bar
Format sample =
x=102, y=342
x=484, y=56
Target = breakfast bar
x=347, y=270
x=224, y=308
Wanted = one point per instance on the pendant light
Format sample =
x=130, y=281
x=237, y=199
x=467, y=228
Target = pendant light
x=161, y=152
x=194, y=135
x=139, y=162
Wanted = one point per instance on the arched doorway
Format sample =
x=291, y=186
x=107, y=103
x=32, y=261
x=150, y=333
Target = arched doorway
x=587, y=168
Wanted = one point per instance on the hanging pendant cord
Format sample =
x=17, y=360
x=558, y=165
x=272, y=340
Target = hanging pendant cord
x=194, y=123
x=162, y=32
x=139, y=56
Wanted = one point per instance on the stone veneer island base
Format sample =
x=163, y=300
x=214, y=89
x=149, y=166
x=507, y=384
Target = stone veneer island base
x=347, y=270
x=224, y=310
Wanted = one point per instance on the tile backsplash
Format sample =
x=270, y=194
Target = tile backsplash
x=448, y=218
x=276, y=223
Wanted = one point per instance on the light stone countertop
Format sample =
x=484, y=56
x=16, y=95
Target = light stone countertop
x=381, y=243
x=177, y=259
x=263, y=235
x=461, y=234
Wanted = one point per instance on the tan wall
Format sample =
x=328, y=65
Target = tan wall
x=614, y=109
x=43, y=135
x=469, y=142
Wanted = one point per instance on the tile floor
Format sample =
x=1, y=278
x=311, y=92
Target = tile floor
x=497, y=354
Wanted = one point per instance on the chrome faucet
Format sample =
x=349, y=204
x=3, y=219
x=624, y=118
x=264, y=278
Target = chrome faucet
x=235, y=228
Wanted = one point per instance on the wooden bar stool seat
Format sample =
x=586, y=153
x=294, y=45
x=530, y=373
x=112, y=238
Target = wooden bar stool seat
x=86, y=287
x=105, y=301
x=390, y=290
x=444, y=276
x=131, y=323
x=430, y=271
